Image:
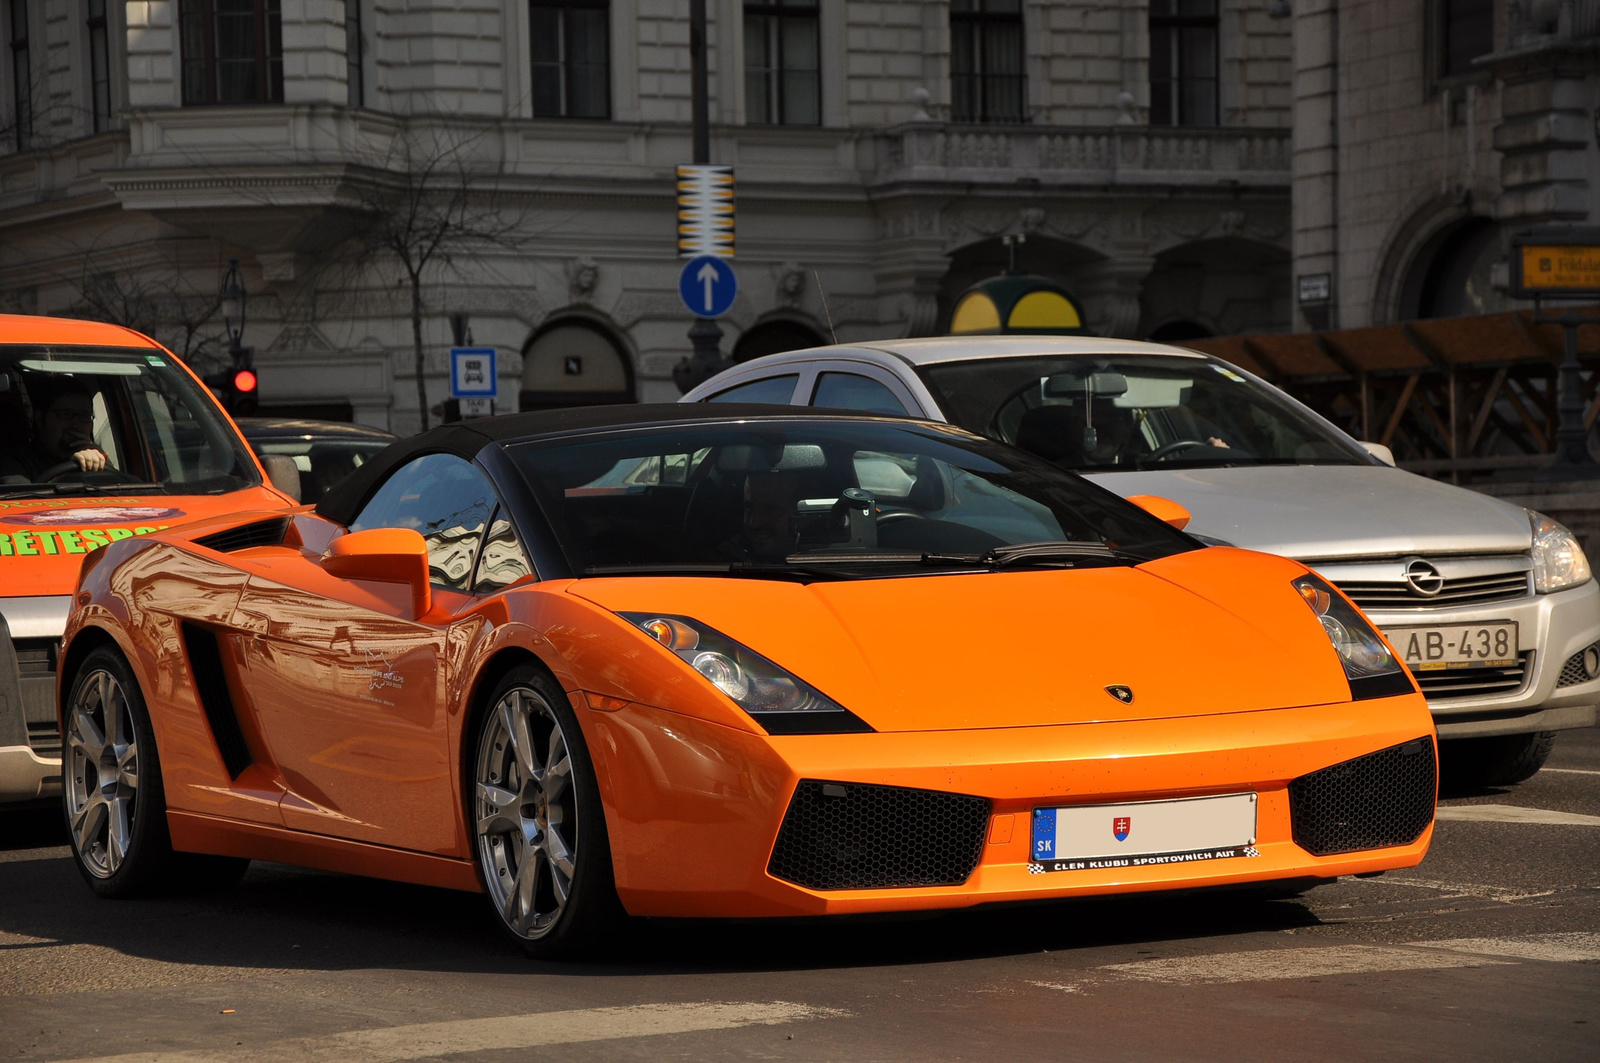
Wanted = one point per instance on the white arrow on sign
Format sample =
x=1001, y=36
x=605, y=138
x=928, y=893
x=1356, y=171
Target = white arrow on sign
x=708, y=277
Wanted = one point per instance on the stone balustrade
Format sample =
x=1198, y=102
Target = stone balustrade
x=1102, y=155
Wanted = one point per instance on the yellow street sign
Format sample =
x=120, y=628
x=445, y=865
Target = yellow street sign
x=705, y=211
x=1554, y=268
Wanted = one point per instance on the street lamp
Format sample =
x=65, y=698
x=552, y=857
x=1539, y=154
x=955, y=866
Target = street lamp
x=233, y=307
x=236, y=385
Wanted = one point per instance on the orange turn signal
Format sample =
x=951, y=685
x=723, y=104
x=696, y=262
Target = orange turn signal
x=673, y=634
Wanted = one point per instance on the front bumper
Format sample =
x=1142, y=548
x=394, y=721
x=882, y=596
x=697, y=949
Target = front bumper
x=1550, y=629
x=694, y=809
x=30, y=746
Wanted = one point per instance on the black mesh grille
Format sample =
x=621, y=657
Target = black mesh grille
x=1574, y=671
x=843, y=836
x=1372, y=802
x=261, y=533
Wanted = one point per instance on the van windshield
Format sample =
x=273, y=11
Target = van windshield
x=79, y=420
x=1102, y=414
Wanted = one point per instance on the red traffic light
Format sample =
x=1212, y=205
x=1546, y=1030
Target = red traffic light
x=244, y=380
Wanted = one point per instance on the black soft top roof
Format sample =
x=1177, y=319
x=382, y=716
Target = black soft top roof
x=466, y=439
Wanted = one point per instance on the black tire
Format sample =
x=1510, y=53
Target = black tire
x=147, y=863
x=1499, y=760
x=567, y=821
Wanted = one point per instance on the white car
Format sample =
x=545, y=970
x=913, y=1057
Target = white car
x=1492, y=606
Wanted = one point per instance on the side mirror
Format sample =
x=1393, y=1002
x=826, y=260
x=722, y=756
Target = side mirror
x=1379, y=451
x=1163, y=509
x=283, y=473
x=383, y=555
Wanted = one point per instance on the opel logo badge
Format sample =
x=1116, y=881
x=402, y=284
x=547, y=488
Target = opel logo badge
x=1423, y=579
x=1121, y=693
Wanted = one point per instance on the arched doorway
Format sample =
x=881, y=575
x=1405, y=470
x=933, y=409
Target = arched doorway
x=1178, y=331
x=1450, y=275
x=775, y=337
x=1220, y=287
x=574, y=362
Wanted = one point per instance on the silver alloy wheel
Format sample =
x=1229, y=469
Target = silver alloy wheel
x=102, y=772
x=527, y=812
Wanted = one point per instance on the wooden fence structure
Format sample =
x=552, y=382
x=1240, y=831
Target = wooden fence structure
x=1452, y=397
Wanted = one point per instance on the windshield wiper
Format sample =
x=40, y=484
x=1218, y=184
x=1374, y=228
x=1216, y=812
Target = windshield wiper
x=1041, y=553
x=27, y=490
x=737, y=569
x=106, y=489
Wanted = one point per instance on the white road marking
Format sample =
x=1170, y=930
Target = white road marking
x=1466, y=889
x=1515, y=814
x=505, y=1032
x=1572, y=771
x=1269, y=965
x=1575, y=947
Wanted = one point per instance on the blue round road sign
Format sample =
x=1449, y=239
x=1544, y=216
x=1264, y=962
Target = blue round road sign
x=707, y=286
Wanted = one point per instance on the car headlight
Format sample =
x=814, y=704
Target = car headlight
x=1370, y=668
x=778, y=700
x=1558, y=561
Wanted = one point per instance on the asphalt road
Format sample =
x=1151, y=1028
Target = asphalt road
x=1490, y=950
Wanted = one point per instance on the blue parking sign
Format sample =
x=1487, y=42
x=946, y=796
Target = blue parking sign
x=472, y=373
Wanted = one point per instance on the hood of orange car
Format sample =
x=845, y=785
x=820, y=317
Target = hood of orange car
x=43, y=540
x=1006, y=649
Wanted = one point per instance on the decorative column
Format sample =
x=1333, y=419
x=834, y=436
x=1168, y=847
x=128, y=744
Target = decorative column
x=1110, y=291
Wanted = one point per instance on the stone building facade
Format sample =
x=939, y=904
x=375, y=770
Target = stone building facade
x=882, y=148
x=1426, y=133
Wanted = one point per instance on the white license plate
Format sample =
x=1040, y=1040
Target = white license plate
x=1141, y=833
x=1435, y=649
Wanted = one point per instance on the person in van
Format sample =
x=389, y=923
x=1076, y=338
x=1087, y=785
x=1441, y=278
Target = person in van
x=63, y=432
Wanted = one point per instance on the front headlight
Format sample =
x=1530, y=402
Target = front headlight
x=1370, y=668
x=1558, y=560
x=778, y=700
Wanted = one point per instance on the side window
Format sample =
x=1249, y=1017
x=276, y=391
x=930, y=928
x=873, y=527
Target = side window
x=775, y=390
x=502, y=561
x=851, y=391
x=447, y=500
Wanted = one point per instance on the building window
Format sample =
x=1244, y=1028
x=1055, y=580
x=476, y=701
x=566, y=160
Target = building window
x=1466, y=31
x=353, y=53
x=99, y=67
x=782, y=70
x=571, y=58
x=987, y=82
x=1183, y=62
x=21, y=74
x=232, y=51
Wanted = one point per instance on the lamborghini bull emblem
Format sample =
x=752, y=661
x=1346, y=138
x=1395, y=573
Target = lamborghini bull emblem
x=1121, y=693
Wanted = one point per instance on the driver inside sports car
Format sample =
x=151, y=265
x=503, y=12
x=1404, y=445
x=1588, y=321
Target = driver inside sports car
x=63, y=432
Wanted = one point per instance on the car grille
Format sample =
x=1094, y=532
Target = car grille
x=1474, y=590
x=1372, y=802
x=1475, y=682
x=44, y=739
x=261, y=533
x=840, y=836
x=1574, y=672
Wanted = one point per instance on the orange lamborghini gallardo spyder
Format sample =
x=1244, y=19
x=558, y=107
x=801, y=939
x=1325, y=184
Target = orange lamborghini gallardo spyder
x=728, y=661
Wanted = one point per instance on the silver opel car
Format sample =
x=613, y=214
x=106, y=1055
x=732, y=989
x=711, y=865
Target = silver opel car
x=1492, y=606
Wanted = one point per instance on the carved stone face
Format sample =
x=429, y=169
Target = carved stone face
x=792, y=281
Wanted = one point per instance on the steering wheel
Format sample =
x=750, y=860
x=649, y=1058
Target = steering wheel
x=1172, y=448
x=106, y=475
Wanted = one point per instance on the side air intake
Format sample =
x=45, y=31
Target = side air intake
x=842, y=836
x=211, y=683
x=1372, y=802
x=260, y=533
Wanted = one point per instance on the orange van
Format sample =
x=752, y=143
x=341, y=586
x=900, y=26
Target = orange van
x=104, y=435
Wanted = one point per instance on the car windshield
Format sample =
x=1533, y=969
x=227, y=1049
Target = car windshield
x=1107, y=413
x=834, y=498
x=322, y=461
x=79, y=420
